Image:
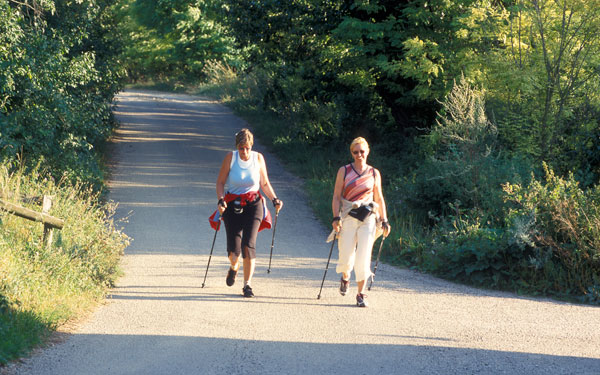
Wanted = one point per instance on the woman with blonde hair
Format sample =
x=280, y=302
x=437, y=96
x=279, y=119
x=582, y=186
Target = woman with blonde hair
x=358, y=209
x=242, y=208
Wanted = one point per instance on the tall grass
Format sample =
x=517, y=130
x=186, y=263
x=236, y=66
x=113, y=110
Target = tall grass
x=42, y=287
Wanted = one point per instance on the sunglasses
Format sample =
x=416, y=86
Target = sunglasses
x=362, y=152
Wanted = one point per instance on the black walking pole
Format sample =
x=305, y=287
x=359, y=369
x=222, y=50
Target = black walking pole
x=211, y=251
x=326, y=267
x=376, y=262
x=273, y=240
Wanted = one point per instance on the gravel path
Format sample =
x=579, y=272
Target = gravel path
x=159, y=320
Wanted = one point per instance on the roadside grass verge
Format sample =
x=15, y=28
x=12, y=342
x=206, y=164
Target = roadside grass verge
x=42, y=287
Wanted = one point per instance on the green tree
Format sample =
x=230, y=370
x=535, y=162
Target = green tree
x=176, y=38
x=546, y=72
x=58, y=81
x=288, y=48
x=415, y=49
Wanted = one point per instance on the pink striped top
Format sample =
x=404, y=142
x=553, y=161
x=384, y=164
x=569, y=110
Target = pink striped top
x=358, y=187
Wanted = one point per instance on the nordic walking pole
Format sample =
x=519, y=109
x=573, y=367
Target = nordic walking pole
x=376, y=262
x=273, y=240
x=326, y=267
x=211, y=251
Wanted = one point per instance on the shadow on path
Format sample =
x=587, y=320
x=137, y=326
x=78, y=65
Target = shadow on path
x=173, y=355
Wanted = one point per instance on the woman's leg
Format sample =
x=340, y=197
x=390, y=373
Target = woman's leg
x=249, y=265
x=233, y=231
x=249, y=235
x=361, y=286
x=365, y=238
x=346, y=247
x=234, y=260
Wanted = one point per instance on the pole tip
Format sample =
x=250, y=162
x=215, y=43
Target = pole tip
x=319, y=296
x=203, y=285
x=269, y=271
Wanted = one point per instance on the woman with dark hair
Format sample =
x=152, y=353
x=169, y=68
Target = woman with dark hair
x=358, y=209
x=242, y=208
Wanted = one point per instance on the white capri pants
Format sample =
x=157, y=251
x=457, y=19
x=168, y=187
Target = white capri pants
x=355, y=244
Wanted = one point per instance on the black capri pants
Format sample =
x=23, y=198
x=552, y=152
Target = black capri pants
x=242, y=228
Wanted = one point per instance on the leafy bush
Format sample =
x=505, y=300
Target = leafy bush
x=59, y=73
x=174, y=40
x=462, y=250
x=562, y=229
x=486, y=228
x=461, y=165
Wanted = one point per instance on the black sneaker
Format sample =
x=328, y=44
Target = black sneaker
x=231, y=277
x=344, y=286
x=248, y=291
x=361, y=300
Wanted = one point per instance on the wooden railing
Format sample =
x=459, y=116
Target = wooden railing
x=50, y=222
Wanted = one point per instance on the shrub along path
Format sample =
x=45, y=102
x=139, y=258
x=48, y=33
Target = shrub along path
x=158, y=319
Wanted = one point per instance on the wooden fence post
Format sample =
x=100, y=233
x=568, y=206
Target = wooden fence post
x=48, y=233
x=26, y=213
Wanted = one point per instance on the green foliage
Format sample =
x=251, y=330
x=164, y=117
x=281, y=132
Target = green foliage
x=544, y=79
x=476, y=237
x=564, y=231
x=20, y=331
x=380, y=68
x=466, y=252
x=60, y=73
x=547, y=244
x=416, y=49
x=43, y=286
x=463, y=123
x=462, y=166
x=293, y=60
x=175, y=39
x=281, y=31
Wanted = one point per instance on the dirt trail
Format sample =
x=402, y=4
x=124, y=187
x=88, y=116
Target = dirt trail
x=158, y=319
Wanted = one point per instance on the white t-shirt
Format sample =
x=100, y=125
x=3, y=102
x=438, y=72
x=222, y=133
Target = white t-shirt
x=244, y=176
